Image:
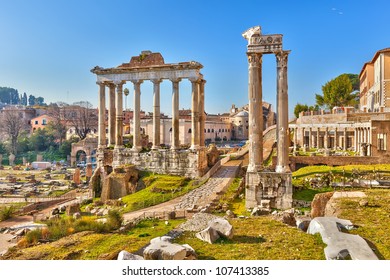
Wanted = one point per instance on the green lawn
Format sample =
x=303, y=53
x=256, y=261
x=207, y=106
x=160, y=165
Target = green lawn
x=159, y=188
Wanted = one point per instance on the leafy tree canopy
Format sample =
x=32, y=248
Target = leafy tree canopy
x=340, y=91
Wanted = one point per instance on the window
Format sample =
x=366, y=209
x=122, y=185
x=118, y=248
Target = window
x=382, y=139
x=44, y=122
x=212, y=130
x=208, y=130
x=36, y=122
x=189, y=130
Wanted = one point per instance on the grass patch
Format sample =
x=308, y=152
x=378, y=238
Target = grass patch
x=308, y=194
x=372, y=220
x=159, y=188
x=259, y=238
x=88, y=245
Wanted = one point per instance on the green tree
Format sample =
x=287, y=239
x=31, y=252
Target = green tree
x=300, y=108
x=337, y=92
x=40, y=140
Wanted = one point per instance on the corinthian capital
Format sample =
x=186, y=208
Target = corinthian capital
x=281, y=58
x=255, y=59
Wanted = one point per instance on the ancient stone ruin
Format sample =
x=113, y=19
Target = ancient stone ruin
x=275, y=186
x=111, y=151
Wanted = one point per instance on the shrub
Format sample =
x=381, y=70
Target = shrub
x=6, y=212
x=115, y=219
x=32, y=237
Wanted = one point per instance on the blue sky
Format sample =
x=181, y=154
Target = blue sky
x=47, y=48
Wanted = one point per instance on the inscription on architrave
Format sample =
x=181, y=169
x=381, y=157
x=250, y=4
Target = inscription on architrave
x=259, y=43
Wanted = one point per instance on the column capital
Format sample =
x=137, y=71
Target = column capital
x=255, y=59
x=137, y=81
x=175, y=80
x=99, y=83
x=118, y=83
x=195, y=80
x=281, y=58
x=156, y=81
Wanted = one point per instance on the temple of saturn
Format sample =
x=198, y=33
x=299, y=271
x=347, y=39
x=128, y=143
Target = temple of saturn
x=150, y=67
x=267, y=187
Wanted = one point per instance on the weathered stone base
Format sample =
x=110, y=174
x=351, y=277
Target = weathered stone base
x=187, y=163
x=275, y=187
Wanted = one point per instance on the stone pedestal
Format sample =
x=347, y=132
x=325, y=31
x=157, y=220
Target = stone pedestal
x=275, y=187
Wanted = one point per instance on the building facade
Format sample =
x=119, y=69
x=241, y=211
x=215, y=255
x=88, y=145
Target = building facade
x=375, y=83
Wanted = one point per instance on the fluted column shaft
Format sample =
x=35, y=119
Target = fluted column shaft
x=175, y=114
x=255, y=113
x=156, y=114
x=111, y=115
x=195, y=115
x=119, y=115
x=295, y=138
x=282, y=113
x=201, y=114
x=335, y=138
x=345, y=139
x=326, y=138
x=355, y=136
x=318, y=137
x=101, y=116
x=136, y=116
x=311, y=138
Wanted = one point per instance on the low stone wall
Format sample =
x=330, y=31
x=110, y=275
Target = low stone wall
x=176, y=162
x=335, y=160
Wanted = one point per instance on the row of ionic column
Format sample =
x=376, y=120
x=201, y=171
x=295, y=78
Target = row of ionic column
x=361, y=135
x=115, y=114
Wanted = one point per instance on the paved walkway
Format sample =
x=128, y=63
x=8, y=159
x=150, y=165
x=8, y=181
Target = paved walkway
x=197, y=198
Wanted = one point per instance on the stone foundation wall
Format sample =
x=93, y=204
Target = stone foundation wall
x=187, y=163
x=272, y=186
x=335, y=160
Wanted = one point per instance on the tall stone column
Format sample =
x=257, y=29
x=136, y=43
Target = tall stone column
x=355, y=139
x=255, y=96
x=102, y=115
x=175, y=114
x=311, y=138
x=326, y=138
x=136, y=116
x=156, y=114
x=295, y=138
x=119, y=115
x=335, y=138
x=303, y=137
x=201, y=113
x=318, y=137
x=345, y=139
x=195, y=115
x=282, y=113
x=111, y=115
